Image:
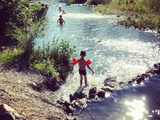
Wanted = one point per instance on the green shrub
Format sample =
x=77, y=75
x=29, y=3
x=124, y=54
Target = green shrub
x=53, y=57
x=10, y=56
x=46, y=67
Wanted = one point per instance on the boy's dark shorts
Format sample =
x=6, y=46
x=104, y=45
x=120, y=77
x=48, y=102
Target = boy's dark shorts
x=82, y=72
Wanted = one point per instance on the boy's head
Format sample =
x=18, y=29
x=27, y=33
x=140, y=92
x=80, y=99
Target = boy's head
x=83, y=53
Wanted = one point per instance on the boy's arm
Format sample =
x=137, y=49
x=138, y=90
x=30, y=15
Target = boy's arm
x=90, y=69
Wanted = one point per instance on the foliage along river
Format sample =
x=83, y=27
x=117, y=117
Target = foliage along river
x=115, y=51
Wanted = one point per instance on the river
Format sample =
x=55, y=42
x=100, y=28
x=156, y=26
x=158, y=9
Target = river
x=115, y=51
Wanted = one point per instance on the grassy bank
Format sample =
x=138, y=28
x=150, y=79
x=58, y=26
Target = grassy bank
x=137, y=14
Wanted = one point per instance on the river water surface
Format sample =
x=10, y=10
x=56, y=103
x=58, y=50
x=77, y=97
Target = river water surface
x=116, y=51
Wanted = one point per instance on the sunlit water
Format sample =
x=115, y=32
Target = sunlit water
x=116, y=51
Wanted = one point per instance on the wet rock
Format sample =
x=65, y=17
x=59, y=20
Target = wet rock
x=148, y=74
x=156, y=71
x=130, y=82
x=74, y=103
x=66, y=104
x=139, y=80
x=92, y=96
x=101, y=94
x=106, y=84
x=157, y=66
x=107, y=80
x=93, y=90
x=79, y=95
x=108, y=89
x=110, y=79
x=79, y=102
x=72, y=98
x=69, y=109
x=122, y=84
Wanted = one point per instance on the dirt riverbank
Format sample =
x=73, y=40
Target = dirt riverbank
x=16, y=91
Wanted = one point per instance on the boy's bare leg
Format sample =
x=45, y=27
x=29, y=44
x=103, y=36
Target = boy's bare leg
x=81, y=80
x=85, y=78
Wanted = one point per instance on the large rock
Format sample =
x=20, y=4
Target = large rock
x=8, y=113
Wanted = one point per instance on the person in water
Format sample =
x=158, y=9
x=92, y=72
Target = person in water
x=60, y=10
x=63, y=12
x=60, y=20
x=82, y=68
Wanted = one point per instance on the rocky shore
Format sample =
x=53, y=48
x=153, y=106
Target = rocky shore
x=19, y=101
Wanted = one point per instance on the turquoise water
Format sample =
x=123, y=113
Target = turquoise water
x=115, y=51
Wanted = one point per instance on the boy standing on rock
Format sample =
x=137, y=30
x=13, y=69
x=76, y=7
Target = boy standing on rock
x=82, y=67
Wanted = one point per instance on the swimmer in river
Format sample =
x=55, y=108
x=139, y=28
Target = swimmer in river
x=59, y=9
x=60, y=20
x=63, y=12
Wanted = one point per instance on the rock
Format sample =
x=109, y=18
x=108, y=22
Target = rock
x=140, y=79
x=130, y=82
x=37, y=86
x=156, y=71
x=93, y=90
x=52, y=83
x=122, y=84
x=106, y=84
x=156, y=66
x=107, y=80
x=8, y=113
x=107, y=89
x=79, y=95
x=92, y=96
x=72, y=98
x=66, y=104
x=69, y=109
x=101, y=94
